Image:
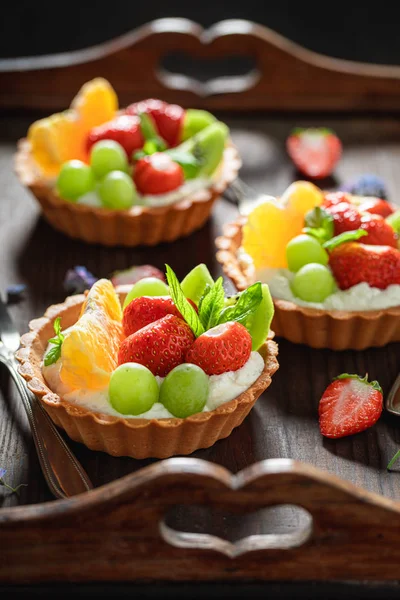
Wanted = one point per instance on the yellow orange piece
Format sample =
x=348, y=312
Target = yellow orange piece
x=62, y=136
x=89, y=351
x=272, y=224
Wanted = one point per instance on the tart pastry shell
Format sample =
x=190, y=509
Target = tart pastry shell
x=337, y=330
x=141, y=225
x=119, y=436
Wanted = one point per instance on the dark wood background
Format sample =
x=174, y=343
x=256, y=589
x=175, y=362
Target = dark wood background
x=284, y=421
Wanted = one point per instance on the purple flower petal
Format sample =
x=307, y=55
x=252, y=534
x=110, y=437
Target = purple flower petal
x=2, y=472
x=78, y=279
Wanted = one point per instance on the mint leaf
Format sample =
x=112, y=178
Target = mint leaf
x=185, y=308
x=207, y=290
x=248, y=302
x=319, y=223
x=347, y=236
x=189, y=163
x=212, y=305
x=54, y=353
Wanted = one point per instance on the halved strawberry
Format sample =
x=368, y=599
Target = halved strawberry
x=124, y=129
x=346, y=217
x=376, y=206
x=315, y=152
x=147, y=309
x=223, y=348
x=160, y=346
x=380, y=232
x=350, y=404
x=167, y=117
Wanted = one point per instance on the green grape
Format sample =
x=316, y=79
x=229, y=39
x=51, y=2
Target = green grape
x=313, y=283
x=304, y=249
x=194, y=284
x=117, y=191
x=75, y=179
x=394, y=221
x=148, y=286
x=184, y=391
x=133, y=389
x=106, y=156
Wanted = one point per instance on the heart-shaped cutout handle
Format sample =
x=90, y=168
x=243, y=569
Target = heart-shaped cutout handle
x=280, y=527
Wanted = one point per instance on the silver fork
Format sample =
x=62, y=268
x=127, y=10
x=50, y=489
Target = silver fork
x=64, y=475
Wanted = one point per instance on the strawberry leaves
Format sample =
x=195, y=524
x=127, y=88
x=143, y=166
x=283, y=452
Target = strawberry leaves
x=347, y=236
x=374, y=384
x=54, y=353
x=183, y=305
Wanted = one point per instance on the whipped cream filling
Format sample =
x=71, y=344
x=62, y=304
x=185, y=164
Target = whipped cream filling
x=223, y=388
x=358, y=297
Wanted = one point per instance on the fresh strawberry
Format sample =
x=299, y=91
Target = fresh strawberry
x=350, y=404
x=354, y=263
x=136, y=273
x=380, y=233
x=160, y=346
x=147, y=309
x=315, y=152
x=335, y=198
x=223, y=348
x=346, y=217
x=157, y=174
x=376, y=206
x=123, y=129
x=167, y=117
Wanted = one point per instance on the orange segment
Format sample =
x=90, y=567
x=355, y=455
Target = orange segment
x=62, y=136
x=272, y=224
x=90, y=349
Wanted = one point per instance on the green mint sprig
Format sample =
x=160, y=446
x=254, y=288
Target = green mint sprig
x=190, y=162
x=211, y=305
x=347, y=236
x=54, y=353
x=319, y=223
x=249, y=301
x=183, y=305
x=153, y=142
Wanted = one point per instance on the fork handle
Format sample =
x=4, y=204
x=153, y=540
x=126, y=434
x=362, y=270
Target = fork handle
x=64, y=475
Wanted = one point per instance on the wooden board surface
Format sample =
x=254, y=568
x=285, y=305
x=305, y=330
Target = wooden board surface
x=283, y=423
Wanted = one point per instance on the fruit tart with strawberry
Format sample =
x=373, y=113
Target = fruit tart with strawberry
x=332, y=263
x=156, y=369
x=143, y=174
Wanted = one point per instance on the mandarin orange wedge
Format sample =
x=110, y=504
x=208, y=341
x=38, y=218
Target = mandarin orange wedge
x=272, y=224
x=62, y=136
x=90, y=348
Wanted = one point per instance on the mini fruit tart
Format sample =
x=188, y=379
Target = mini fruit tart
x=152, y=370
x=145, y=174
x=331, y=261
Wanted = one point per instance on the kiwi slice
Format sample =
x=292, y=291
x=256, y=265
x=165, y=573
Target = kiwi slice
x=195, y=120
x=208, y=146
x=259, y=323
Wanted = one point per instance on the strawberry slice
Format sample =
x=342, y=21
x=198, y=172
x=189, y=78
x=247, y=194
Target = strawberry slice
x=376, y=206
x=226, y=347
x=167, y=117
x=160, y=346
x=380, y=232
x=315, y=152
x=350, y=404
x=157, y=174
x=136, y=273
x=123, y=129
x=147, y=309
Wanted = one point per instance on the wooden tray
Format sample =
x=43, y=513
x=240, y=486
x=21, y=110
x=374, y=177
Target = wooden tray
x=284, y=75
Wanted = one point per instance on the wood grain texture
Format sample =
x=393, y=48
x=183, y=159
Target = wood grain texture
x=283, y=423
x=302, y=79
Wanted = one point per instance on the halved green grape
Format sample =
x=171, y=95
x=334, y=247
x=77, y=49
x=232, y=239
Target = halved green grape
x=106, y=156
x=313, y=283
x=194, y=121
x=133, y=389
x=75, y=179
x=195, y=282
x=184, y=391
x=394, y=221
x=117, y=191
x=148, y=286
x=304, y=249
